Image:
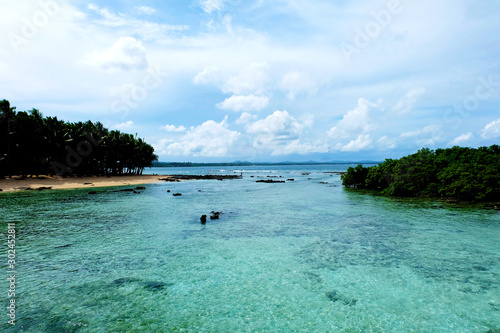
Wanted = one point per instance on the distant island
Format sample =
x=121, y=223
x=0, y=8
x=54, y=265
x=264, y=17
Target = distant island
x=239, y=163
x=31, y=144
x=462, y=174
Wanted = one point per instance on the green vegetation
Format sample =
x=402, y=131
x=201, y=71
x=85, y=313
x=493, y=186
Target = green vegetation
x=31, y=144
x=464, y=174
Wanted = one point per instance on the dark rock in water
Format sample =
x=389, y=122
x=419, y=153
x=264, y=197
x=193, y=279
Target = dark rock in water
x=199, y=190
x=215, y=215
x=156, y=285
x=203, y=219
x=124, y=280
x=168, y=191
x=480, y=268
x=177, y=194
x=269, y=181
x=323, y=183
x=62, y=246
x=335, y=296
x=92, y=192
x=136, y=192
x=140, y=188
x=252, y=176
x=291, y=179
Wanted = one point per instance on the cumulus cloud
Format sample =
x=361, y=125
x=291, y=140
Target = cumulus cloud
x=124, y=125
x=173, y=128
x=296, y=82
x=460, y=139
x=210, y=139
x=280, y=133
x=492, y=130
x=361, y=142
x=125, y=54
x=245, y=118
x=355, y=122
x=244, y=103
x=407, y=102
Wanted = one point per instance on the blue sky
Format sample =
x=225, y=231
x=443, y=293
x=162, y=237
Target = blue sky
x=282, y=80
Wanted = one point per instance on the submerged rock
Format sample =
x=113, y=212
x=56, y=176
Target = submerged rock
x=125, y=190
x=269, y=181
x=156, y=285
x=92, y=192
x=124, y=280
x=335, y=296
x=177, y=194
x=62, y=246
x=215, y=215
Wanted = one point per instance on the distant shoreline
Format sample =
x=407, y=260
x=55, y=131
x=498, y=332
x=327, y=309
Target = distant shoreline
x=60, y=183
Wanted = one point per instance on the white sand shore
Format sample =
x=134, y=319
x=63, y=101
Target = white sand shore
x=55, y=183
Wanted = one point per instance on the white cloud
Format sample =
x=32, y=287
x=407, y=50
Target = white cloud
x=429, y=135
x=209, y=74
x=492, y=130
x=361, y=142
x=124, y=125
x=407, y=102
x=244, y=103
x=355, y=122
x=125, y=54
x=210, y=6
x=210, y=139
x=296, y=83
x=245, y=118
x=146, y=29
x=173, y=128
x=146, y=10
x=281, y=133
x=460, y=139
x=248, y=80
x=385, y=143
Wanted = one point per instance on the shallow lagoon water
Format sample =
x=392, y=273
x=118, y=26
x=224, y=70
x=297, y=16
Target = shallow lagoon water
x=295, y=257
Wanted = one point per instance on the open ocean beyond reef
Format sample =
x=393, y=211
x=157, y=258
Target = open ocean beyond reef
x=302, y=256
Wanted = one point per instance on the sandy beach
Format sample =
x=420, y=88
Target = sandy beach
x=56, y=182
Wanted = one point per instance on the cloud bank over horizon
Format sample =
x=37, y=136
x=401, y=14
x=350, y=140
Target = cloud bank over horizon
x=284, y=80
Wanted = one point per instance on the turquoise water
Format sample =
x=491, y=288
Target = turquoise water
x=303, y=256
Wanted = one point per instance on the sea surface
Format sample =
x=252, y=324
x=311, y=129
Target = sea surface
x=302, y=256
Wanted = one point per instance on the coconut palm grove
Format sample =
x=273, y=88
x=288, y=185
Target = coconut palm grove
x=31, y=144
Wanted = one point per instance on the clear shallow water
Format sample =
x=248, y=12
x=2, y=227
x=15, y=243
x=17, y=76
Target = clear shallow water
x=295, y=257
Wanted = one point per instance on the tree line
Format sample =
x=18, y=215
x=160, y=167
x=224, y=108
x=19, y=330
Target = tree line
x=465, y=174
x=31, y=144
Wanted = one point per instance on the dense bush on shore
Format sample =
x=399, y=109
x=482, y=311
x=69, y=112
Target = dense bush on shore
x=31, y=144
x=466, y=174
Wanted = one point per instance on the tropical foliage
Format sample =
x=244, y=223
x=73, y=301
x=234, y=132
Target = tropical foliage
x=31, y=144
x=466, y=174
